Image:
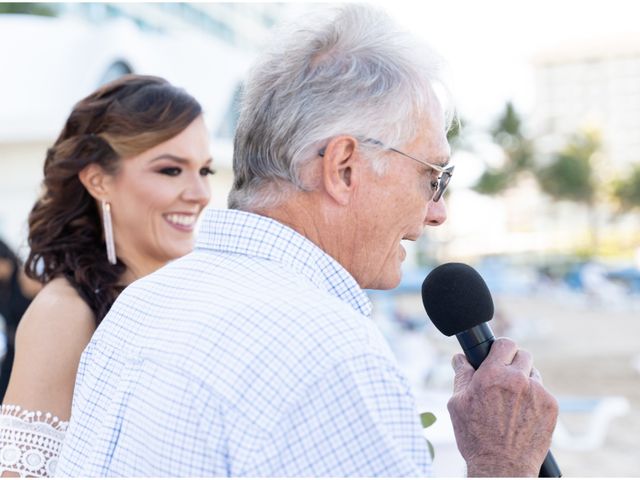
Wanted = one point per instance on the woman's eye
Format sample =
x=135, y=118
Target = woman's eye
x=206, y=171
x=171, y=171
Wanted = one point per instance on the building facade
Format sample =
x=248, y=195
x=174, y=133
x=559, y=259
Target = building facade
x=57, y=59
x=594, y=84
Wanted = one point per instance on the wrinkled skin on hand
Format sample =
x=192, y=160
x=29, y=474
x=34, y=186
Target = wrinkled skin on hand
x=502, y=416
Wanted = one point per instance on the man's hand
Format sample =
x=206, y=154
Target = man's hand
x=502, y=416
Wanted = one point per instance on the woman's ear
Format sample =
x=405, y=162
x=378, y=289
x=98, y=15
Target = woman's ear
x=339, y=168
x=95, y=180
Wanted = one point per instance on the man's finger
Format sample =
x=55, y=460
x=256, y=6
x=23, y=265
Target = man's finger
x=523, y=361
x=502, y=351
x=463, y=370
x=535, y=375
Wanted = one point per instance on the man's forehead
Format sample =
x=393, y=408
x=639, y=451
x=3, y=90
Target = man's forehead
x=433, y=145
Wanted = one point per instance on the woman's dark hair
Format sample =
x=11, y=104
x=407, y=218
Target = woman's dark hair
x=121, y=119
x=6, y=285
x=7, y=253
x=13, y=304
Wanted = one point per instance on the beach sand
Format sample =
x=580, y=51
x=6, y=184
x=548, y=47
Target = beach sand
x=585, y=350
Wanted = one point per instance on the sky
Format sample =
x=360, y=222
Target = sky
x=489, y=44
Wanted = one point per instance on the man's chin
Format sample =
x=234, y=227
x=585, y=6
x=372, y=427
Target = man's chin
x=387, y=283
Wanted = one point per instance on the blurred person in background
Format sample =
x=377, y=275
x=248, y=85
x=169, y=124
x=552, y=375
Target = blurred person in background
x=255, y=355
x=16, y=292
x=124, y=184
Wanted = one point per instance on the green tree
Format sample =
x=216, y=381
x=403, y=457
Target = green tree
x=454, y=135
x=518, y=150
x=42, y=9
x=493, y=181
x=627, y=190
x=570, y=175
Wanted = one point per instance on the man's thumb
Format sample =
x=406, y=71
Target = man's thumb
x=463, y=370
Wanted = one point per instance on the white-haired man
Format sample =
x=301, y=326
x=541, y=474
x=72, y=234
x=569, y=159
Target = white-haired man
x=255, y=355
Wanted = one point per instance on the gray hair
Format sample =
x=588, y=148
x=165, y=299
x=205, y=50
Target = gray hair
x=355, y=74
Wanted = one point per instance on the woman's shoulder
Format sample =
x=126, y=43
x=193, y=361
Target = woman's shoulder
x=59, y=293
x=51, y=336
x=56, y=311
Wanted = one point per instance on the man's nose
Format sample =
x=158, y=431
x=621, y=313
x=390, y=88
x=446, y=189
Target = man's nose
x=436, y=213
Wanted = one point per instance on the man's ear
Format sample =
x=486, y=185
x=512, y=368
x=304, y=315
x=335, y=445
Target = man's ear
x=95, y=180
x=340, y=167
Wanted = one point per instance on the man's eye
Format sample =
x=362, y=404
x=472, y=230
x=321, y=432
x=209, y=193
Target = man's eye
x=171, y=171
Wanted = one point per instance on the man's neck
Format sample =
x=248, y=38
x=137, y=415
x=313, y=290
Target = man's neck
x=307, y=214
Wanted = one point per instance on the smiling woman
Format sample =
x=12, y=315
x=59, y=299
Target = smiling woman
x=123, y=187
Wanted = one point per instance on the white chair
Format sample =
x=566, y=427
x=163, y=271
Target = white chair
x=599, y=412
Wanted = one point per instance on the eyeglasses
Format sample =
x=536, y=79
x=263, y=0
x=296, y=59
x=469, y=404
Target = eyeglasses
x=438, y=185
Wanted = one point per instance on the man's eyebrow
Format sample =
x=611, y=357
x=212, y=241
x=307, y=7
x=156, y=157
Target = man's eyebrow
x=443, y=161
x=175, y=158
x=440, y=162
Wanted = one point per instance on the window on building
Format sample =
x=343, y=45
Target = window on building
x=116, y=70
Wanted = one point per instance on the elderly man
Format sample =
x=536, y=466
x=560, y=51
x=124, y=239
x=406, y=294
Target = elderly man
x=255, y=355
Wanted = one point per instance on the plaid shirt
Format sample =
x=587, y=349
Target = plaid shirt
x=252, y=356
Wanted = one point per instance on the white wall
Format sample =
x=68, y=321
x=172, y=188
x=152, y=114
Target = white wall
x=54, y=62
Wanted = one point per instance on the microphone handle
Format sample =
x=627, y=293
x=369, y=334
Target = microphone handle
x=549, y=468
x=476, y=343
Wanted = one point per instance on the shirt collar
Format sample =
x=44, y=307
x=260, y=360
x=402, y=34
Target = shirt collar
x=240, y=232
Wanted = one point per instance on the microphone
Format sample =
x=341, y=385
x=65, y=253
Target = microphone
x=459, y=303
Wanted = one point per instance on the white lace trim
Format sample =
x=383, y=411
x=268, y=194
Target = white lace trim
x=30, y=441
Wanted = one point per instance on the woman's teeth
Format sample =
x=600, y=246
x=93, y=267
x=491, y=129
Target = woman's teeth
x=183, y=220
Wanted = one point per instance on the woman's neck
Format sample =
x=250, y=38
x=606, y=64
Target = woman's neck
x=138, y=268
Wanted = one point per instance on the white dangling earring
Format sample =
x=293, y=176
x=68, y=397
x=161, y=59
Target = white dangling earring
x=108, y=232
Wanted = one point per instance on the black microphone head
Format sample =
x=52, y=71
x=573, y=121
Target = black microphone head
x=456, y=298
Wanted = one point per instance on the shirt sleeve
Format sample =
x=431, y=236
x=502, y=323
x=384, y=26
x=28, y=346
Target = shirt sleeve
x=358, y=419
